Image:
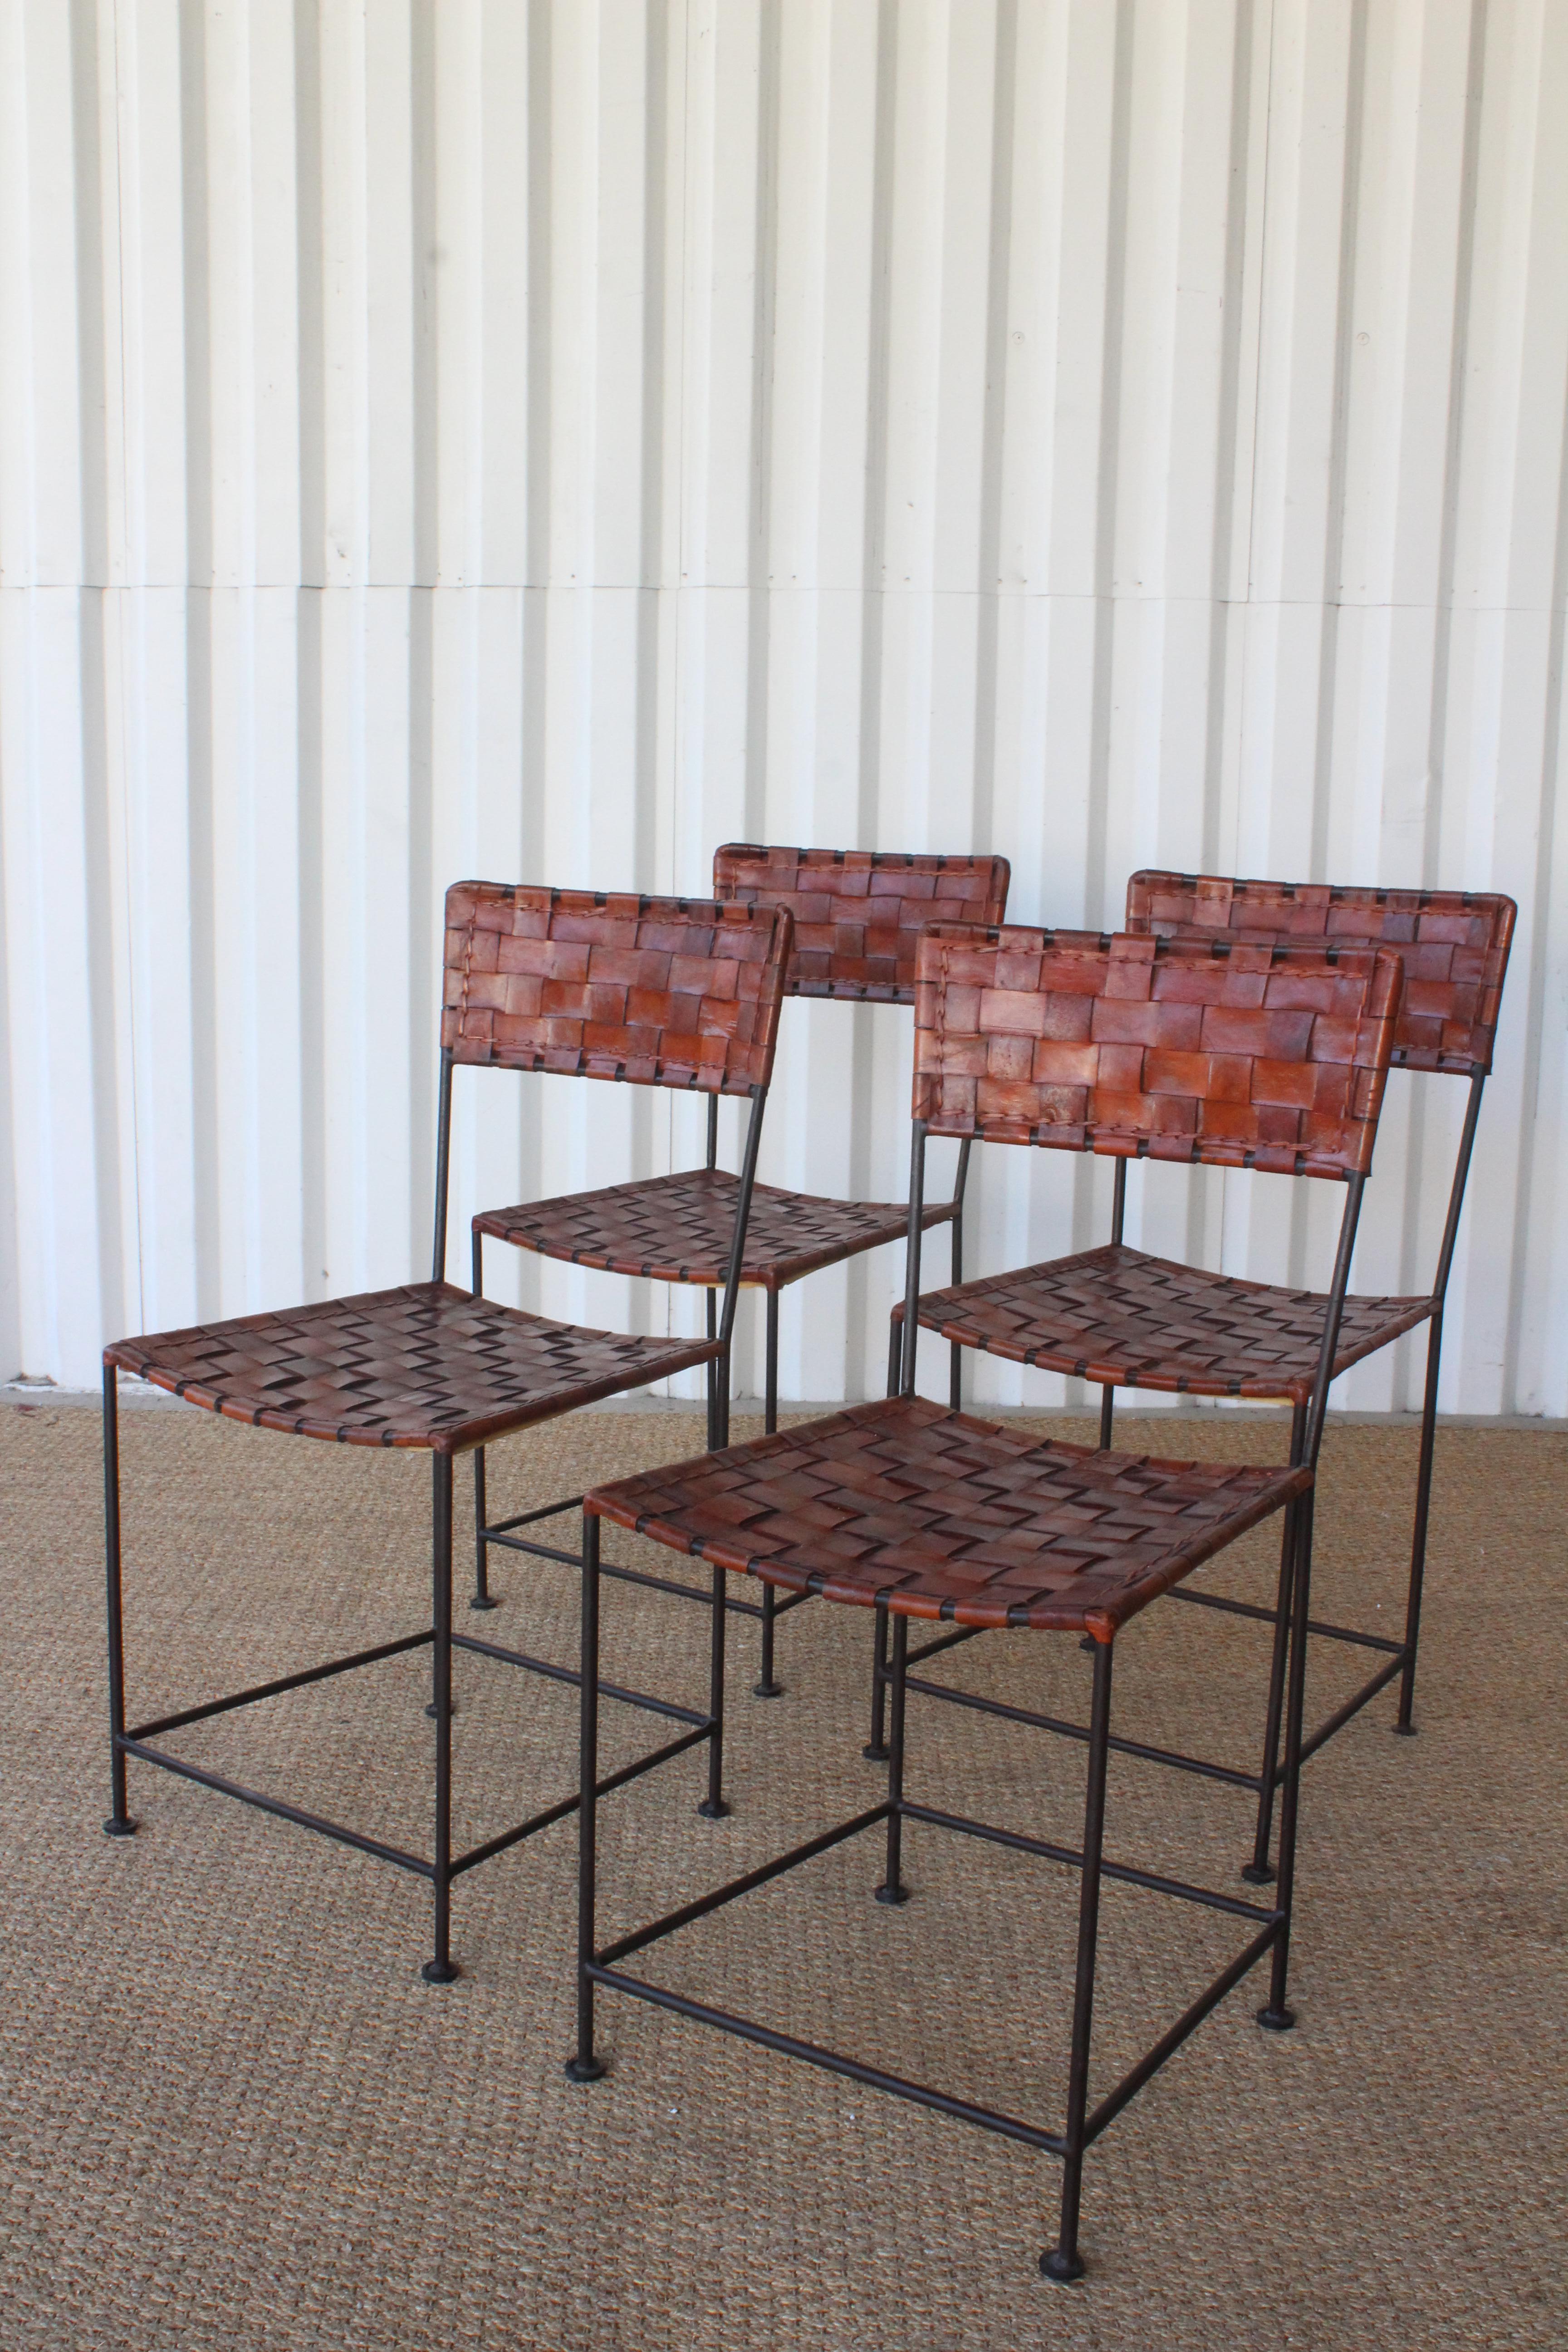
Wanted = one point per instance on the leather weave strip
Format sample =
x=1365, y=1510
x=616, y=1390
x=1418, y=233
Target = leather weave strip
x=858, y=912
x=679, y=1229
x=951, y=1518
x=1453, y=944
x=1249, y=1058
x=427, y=1365
x=1120, y=1318
x=661, y=991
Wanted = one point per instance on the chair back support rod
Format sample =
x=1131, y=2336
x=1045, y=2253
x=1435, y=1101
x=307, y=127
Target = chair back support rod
x=1325, y=1373
x=742, y=1211
x=1456, y=1194
x=443, y=1165
x=1118, y=1204
x=912, y=1257
x=961, y=1174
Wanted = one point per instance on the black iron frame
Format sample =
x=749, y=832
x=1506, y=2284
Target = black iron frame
x=597, y=1965
x=1398, y=1657
x=703, y=1727
x=772, y=1607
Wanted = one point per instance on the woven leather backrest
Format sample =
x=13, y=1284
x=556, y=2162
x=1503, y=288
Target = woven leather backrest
x=1255, y=1058
x=858, y=912
x=1453, y=944
x=661, y=991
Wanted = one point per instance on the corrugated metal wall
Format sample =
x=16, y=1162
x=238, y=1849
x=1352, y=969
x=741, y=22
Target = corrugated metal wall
x=445, y=437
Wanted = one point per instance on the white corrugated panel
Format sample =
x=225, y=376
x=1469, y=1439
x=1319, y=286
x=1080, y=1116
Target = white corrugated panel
x=448, y=437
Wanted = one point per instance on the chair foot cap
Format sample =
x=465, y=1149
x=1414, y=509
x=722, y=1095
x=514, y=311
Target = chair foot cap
x=484, y=1600
x=1276, y=2021
x=430, y=1710
x=767, y=1690
x=1064, y=2269
x=892, y=1895
x=111, y=1828
x=873, y=1753
x=1259, y=1874
x=1405, y=1730
x=441, y=1972
x=586, y=2069
x=714, y=1809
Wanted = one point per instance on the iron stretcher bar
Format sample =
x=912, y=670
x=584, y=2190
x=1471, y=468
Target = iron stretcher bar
x=283, y=1682
x=556, y=1674
x=831, y=2061
x=559, y=1812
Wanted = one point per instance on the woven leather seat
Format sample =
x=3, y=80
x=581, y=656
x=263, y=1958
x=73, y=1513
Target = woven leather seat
x=678, y=1229
x=1118, y=1317
x=945, y=1516
x=426, y=1365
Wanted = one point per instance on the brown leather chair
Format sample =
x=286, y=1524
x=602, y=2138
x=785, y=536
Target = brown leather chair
x=858, y=915
x=657, y=991
x=1122, y=1318
x=917, y=1511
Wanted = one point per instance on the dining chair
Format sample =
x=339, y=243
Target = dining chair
x=858, y=915
x=922, y=1513
x=1122, y=1318
x=652, y=991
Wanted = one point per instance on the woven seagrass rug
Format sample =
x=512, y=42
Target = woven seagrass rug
x=235, y=2117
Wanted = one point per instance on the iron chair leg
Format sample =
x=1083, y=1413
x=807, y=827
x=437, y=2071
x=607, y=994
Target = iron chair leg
x=892, y=1889
x=876, y=1749
x=711, y=1312
x=482, y=1596
x=1277, y=2016
x=1306, y=1445
x=771, y=1370
x=120, y=1823
x=713, y=1807
x=767, y=1686
x=1418, y=1536
x=1106, y=1414
x=1107, y=1392
x=440, y=1969
x=903, y=1349
x=583, y=2066
x=1063, y=2261
x=1259, y=1872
